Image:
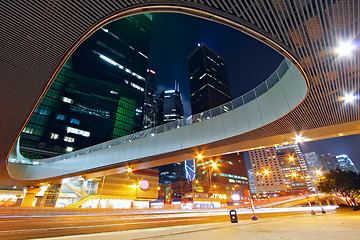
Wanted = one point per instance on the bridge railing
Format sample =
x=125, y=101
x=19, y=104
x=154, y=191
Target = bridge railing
x=237, y=102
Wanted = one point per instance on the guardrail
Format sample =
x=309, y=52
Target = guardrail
x=237, y=102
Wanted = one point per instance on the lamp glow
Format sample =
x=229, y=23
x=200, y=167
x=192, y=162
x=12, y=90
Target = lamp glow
x=214, y=165
x=344, y=49
x=299, y=138
x=349, y=98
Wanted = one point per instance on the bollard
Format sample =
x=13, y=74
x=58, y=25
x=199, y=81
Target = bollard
x=233, y=216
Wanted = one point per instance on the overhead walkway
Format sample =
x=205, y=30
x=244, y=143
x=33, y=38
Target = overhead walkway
x=175, y=141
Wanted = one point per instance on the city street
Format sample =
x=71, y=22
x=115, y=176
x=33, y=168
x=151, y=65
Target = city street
x=333, y=225
x=179, y=225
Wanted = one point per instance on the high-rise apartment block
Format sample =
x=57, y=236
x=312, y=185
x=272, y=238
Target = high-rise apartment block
x=209, y=85
x=280, y=169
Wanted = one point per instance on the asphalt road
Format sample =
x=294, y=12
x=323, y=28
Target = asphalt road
x=41, y=227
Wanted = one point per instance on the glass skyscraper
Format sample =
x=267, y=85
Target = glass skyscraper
x=209, y=85
x=98, y=94
x=345, y=163
x=170, y=107
x=151, y=100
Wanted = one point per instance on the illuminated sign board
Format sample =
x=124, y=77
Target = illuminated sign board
x=144, y=184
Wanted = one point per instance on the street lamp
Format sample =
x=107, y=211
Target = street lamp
x=316, y=193
x=214, y=165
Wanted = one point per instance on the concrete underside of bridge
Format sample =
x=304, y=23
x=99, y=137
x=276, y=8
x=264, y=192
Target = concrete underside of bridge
x=38, y=38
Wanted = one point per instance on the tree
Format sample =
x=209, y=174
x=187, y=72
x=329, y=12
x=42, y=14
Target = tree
x=343, y=183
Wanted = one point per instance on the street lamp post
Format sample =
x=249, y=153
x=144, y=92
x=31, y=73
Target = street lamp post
x=317, y=195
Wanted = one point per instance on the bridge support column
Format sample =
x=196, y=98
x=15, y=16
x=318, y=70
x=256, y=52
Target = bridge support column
x=29, y=197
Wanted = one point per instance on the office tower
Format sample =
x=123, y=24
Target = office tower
x=226, y=173
x=151, y=100
x=329, y=161
x=98, y=94
x=209, y=85
x=171, y=173
x=293, y=167
x=170, y=107
x=280, y=169
x=190, y=169
x=313, y=163
x=345, y=163
x=252, y=183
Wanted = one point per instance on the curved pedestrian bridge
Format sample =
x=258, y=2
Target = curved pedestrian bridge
x=213, y=130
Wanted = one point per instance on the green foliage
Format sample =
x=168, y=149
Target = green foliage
x=31, y=155
x=343, y=183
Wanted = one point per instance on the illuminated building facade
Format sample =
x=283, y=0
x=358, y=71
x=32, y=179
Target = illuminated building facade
x=267, y=172
x=293, y=168
x=280, y=169
x=98, y=94
x=345, y=163
x=209, y=85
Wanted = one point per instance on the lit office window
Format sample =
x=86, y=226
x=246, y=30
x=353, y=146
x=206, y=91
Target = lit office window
x=43, y=112
x=67, y=100
x=77, y=131
x=54, y=136
x=69, y=139
x=75, y=121
x=28, y=130
x=60, y=117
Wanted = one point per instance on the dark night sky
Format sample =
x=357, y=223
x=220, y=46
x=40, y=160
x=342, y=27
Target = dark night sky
x=248, y=61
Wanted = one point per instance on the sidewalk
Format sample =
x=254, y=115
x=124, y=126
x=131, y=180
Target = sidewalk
x=334, y=225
